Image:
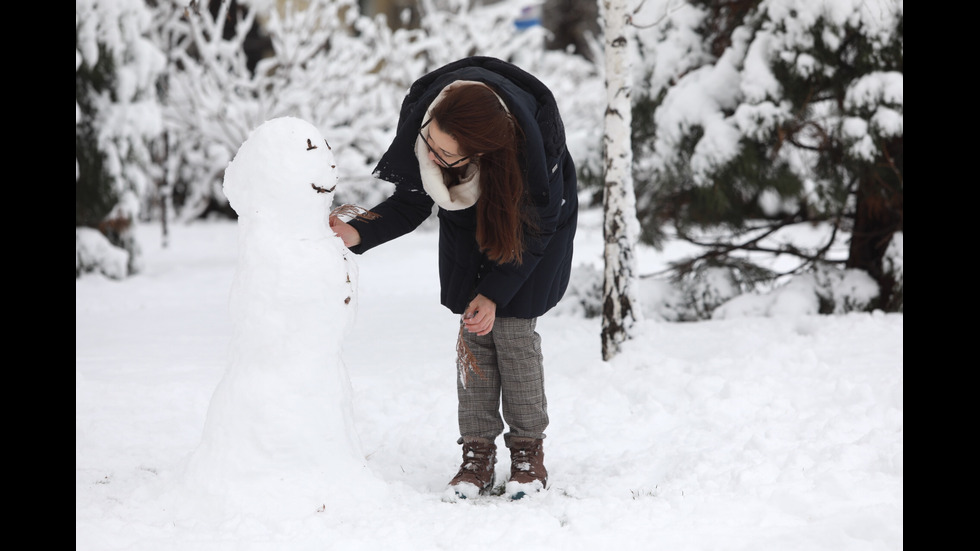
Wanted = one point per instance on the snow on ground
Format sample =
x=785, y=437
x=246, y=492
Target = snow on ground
x=738, y=434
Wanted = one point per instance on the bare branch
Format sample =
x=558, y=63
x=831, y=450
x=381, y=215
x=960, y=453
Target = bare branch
x=655, y=22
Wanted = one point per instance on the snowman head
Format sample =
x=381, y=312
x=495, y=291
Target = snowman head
x=283, y=176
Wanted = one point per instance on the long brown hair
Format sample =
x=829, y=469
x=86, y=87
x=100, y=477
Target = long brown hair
x=482, y=127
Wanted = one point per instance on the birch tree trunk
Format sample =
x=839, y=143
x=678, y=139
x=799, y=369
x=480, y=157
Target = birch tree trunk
x=620, y=308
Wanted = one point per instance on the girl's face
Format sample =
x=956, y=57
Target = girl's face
x=443, y=148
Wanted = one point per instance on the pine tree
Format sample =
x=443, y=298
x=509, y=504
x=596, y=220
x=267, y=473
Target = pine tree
x=117, y=119
x=801, y=125
x=95, y=194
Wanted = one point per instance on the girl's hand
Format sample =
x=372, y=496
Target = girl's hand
x=345, y=231
x=480, y=315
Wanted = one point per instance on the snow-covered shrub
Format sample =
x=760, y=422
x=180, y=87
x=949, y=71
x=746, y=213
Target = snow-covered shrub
x=584, y=294
x=117, y=116
x=842, y=291
x=703, y=293
x=343, y=71
x=894, y=265
x=797, y=297
x=660, y=300
x=94, y=253
x=827, y=290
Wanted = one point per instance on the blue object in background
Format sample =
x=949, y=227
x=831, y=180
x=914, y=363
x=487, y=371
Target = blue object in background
x=530, y=16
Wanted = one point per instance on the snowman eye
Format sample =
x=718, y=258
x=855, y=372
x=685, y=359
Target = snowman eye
x=323, y=189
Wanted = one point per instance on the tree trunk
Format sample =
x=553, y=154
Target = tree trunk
x=879, y=214
x=620, y=309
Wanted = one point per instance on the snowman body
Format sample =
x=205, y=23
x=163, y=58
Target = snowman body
x=280, y=423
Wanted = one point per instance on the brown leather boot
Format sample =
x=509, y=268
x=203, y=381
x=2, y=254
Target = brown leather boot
x=475, y=476
x=527, y=472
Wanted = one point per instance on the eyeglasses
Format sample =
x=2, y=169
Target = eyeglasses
x=438, y=157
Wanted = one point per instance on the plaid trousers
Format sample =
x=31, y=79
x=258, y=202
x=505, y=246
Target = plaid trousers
x=511, y=372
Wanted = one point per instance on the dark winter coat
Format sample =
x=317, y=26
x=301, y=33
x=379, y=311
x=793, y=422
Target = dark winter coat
x=523, y=290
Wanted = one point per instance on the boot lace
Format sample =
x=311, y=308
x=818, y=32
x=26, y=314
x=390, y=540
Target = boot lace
x=475, y=458
x=477, y=467
x=521, y=461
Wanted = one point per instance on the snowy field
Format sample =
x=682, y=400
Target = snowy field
x=747, y=434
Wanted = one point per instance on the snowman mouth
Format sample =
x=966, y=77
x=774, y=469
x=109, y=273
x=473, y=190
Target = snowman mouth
x=323, y=189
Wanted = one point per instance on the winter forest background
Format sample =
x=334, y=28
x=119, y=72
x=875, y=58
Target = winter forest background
x=767, y=134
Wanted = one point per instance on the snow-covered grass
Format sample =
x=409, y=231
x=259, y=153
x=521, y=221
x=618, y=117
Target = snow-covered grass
x=746, y=433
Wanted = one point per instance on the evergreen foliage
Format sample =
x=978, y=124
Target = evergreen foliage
x=819, y=143
x=722, y=157
x=95, y=194
x=117, y=120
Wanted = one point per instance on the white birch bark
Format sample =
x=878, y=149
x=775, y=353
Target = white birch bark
x=620, y=308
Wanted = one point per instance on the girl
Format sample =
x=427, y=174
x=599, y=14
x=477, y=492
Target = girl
x=483, y=140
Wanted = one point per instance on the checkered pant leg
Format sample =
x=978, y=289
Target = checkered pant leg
x=512, y=367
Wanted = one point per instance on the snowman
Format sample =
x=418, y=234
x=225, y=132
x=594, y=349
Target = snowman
x=279, y=426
